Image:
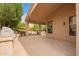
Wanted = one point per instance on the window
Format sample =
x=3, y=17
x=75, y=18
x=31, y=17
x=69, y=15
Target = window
x=49, y=26
x=72, y=26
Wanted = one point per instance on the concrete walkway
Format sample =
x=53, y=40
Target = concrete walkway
x=18, y=49
x=42, y=46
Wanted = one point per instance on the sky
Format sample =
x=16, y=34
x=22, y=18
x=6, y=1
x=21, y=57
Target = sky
x=25, y=7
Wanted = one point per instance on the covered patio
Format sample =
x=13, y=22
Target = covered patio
x=59, y=15
x=62, y=37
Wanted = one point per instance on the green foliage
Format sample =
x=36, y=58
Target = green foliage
x=10, y=15
x=21, y=26
x=37, y=27
x=43, y=27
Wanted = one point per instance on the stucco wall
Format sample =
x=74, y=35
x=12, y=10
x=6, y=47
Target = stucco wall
x=61, y=15
x=77, y=34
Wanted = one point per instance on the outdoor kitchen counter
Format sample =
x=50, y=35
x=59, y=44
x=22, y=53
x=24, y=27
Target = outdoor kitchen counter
x=11, y=46
x=6, y=46
x=4, y=39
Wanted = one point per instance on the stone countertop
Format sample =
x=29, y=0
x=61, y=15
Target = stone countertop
x=2, y=39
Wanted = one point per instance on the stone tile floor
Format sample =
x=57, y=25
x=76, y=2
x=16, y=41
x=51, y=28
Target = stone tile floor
x=42, y=46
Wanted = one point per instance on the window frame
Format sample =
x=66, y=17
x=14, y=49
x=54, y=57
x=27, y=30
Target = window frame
x=72, y=33
x=49, y=27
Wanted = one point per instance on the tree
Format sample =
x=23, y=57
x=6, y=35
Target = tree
x=21, y=26
x=10, y=15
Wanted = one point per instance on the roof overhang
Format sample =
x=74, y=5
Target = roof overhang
x=32, y=7
x=39, y=13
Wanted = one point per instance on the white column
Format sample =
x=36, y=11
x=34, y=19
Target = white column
x=77, y=29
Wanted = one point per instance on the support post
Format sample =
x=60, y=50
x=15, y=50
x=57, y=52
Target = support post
x=39, y=29
x=27, y=28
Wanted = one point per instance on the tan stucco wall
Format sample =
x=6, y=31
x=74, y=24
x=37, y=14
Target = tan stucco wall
x=60, y=16
x=77, y=29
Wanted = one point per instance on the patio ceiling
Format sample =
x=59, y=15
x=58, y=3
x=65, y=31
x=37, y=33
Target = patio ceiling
x=41, y=11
